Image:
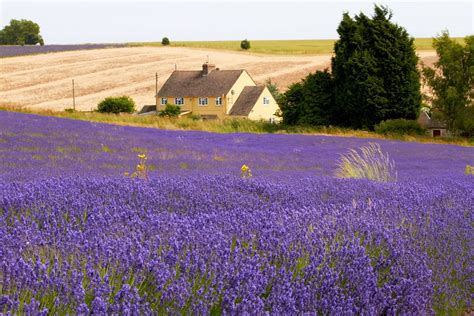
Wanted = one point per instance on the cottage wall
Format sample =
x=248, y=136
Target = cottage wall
x=234, y=93
x=262, y=111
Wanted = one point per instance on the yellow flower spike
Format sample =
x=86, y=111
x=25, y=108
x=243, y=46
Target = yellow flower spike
x=246, y=172
x=142, y=156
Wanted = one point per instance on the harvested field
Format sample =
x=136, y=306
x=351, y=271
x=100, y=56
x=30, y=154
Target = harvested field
x=44, y=81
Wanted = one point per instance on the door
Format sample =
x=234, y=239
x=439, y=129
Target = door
x=436, y=133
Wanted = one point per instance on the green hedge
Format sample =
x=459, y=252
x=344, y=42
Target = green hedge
x=399, y=127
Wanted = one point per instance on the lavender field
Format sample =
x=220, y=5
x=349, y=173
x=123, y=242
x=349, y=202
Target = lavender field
x=18, y=50
x=196, y=237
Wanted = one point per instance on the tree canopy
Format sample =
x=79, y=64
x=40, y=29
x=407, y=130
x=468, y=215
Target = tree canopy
x=21, y=32
x=451, y=82
x=374, y=77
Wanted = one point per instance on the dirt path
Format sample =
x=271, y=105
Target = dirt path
x=44, y=81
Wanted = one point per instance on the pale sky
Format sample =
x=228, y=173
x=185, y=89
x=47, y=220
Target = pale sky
x=107, y=21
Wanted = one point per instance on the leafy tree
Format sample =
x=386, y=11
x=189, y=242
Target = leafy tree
x=170, y=110
x=117, y=105
x=165, y=41
x=21, y=32
x=318, y=98
x=291, y=104
x=451, y=82
x=245, y=44
x=375, y=71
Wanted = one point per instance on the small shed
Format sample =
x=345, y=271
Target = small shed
x=434, y=127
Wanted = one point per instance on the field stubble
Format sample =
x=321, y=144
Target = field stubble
x=45, y=81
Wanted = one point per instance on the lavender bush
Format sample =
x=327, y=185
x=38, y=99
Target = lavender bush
x=77, y=236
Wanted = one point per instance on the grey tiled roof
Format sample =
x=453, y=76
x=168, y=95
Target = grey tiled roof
x=194, y=84
x=247, y=99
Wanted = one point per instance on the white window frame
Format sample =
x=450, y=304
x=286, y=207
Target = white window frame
x=164, y=101
x=203, y=101
x=266, y=100
x=179, y=101
x=218, y=101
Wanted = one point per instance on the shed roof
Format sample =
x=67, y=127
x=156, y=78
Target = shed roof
x=195, y=84
x=247, y=99
x=428, y=122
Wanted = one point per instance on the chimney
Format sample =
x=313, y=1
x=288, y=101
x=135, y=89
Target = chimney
x=207, y=68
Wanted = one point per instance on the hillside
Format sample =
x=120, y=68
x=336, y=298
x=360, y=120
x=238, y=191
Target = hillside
x=45, y=81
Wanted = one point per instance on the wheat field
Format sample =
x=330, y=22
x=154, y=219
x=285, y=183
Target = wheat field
x=45, y=81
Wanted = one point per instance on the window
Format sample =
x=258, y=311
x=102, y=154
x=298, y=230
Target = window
x=202, y=101
x=266, y=100
x=164, y=101
x=218, y=100
x=179, y=101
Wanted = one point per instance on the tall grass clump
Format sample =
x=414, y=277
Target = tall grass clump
x=371, y=163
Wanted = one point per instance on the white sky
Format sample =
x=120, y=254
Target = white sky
x=106, y=21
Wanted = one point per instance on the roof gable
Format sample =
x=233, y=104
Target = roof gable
x=195, y=84
x=246, y=100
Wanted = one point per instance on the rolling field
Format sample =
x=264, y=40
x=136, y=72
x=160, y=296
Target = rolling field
x=289, y=47
x=45, y=81
x=194, y=234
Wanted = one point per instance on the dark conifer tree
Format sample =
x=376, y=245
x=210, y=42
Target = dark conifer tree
x=375, y=71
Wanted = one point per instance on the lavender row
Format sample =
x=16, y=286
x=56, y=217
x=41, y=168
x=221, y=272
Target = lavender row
x=40, y=147
x=223, y=244
x=17, y=50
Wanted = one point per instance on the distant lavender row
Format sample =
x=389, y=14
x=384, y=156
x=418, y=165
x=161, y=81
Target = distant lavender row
x=16, y=50
x=33, y=146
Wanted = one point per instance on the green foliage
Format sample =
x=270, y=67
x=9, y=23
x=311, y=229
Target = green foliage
x=372, y=163
x=399, y=127
x=451, y=81
x=117, y=105
x=464, y=122
x=245, y=44
x=21, y=32
x=195, y=117
x=309, y=102
x=374, y=77
x=165, y=41
x=170, y=110
x=318, y=99
x=273, y=88
x=375, y=71
x=291, y=109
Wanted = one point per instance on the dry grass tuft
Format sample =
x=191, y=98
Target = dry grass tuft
x=371, y=163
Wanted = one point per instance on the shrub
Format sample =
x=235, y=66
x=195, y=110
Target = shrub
x=117, y=105
x=170, y=110
x=399, y=127
x=372, y=164
x=195, y=117
x=245, y=44
x=165, y=41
